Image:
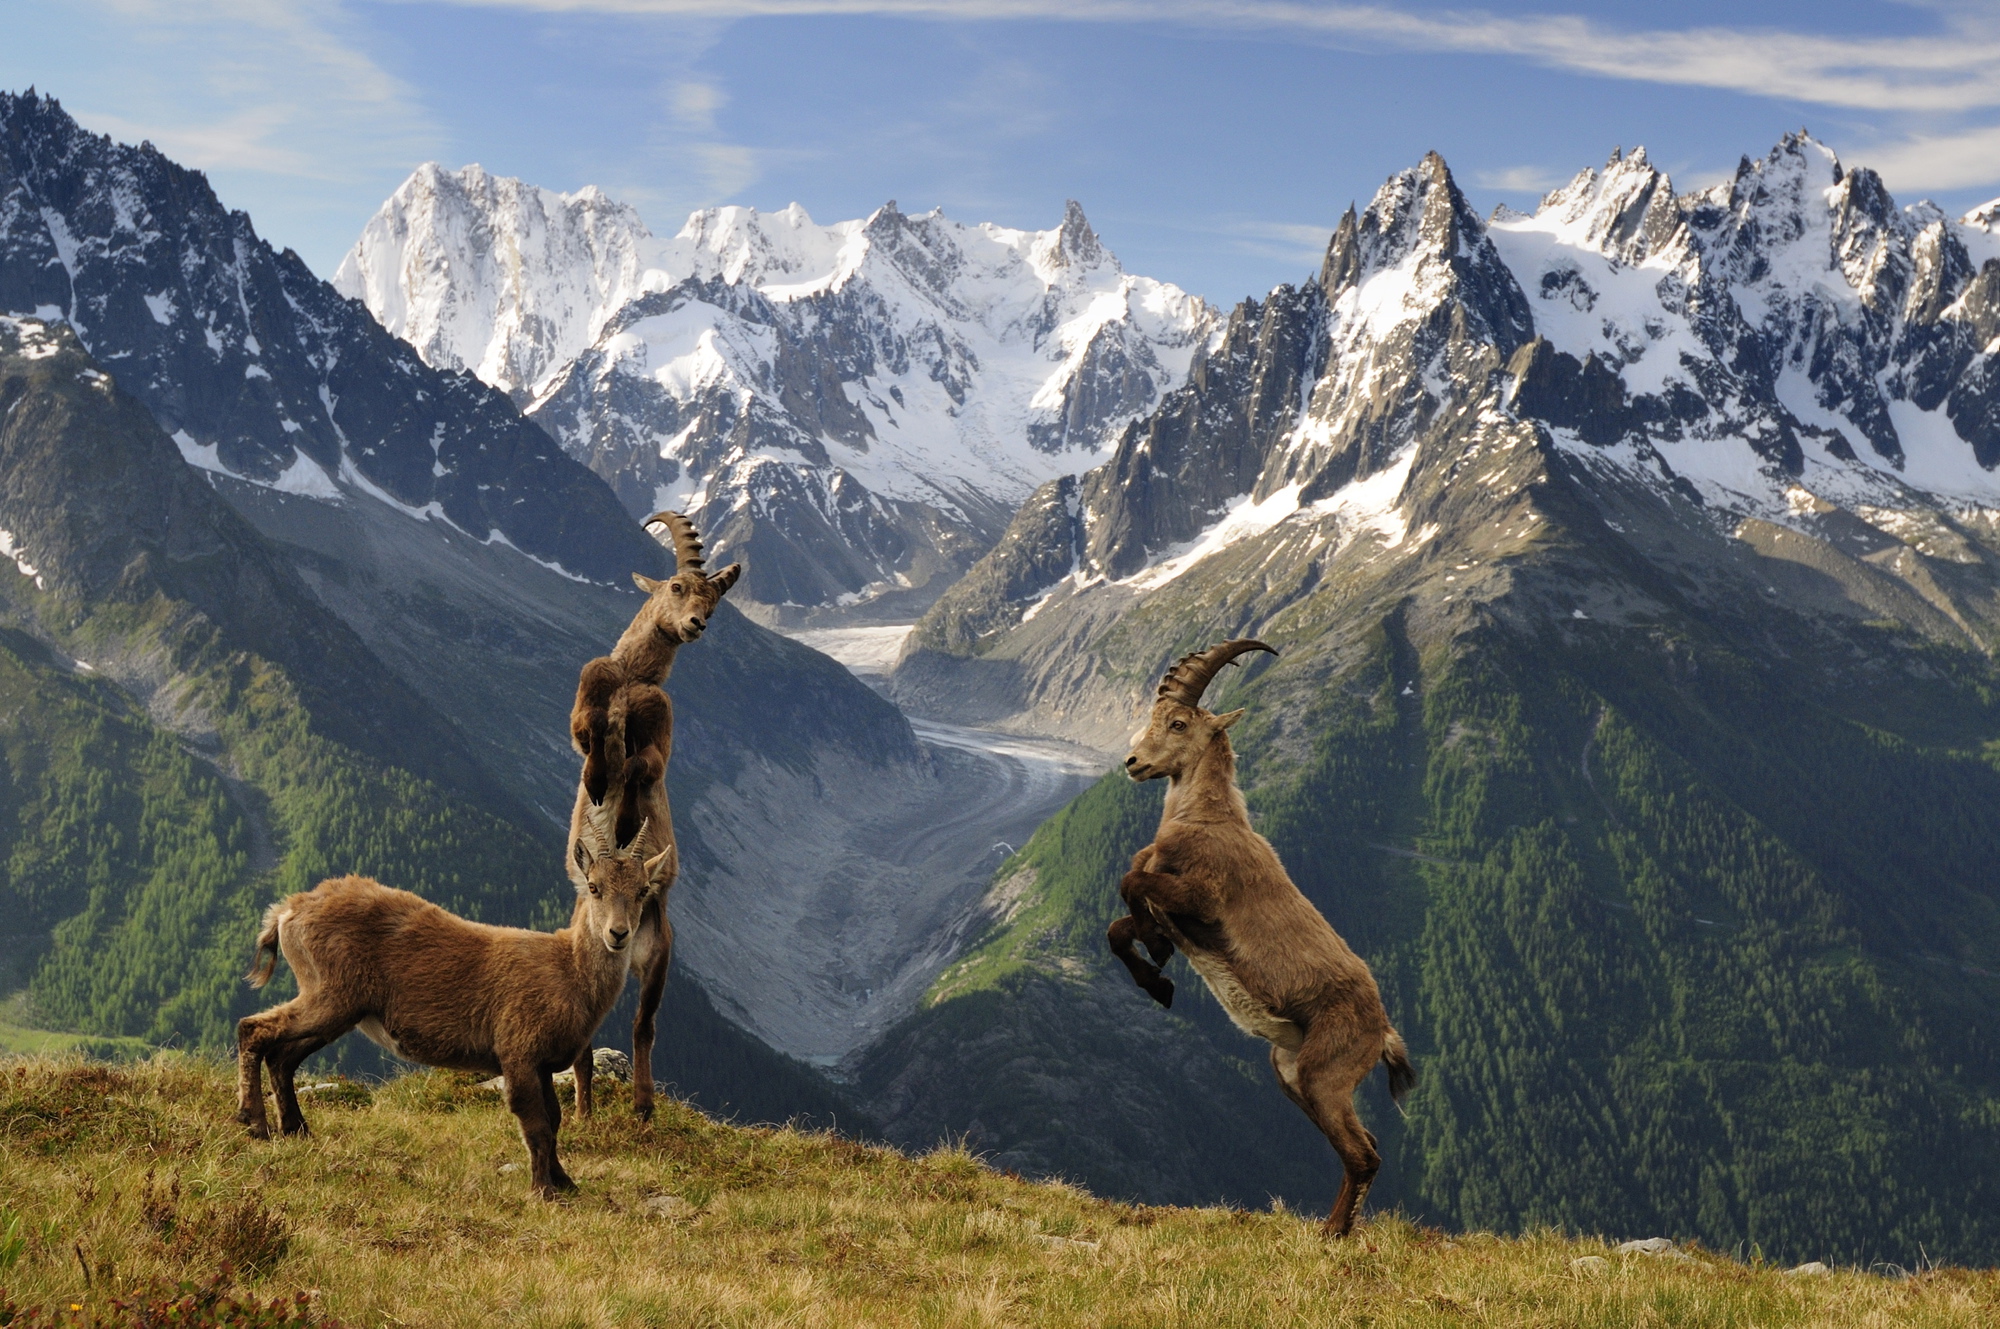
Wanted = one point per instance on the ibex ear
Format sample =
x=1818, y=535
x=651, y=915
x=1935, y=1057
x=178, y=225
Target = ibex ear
x=725, y=579
x=1224, y=721
x=662, y=866
x=579, y=870
x=645, y=583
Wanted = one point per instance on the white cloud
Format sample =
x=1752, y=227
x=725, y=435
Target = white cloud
x=283, y=88
x=1302, y=243
x=1520, y=179
x=1963, y=160
x=1951, y=72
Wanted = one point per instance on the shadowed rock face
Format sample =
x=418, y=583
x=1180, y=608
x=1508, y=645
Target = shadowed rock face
x=258, y=368
x=1788, y=347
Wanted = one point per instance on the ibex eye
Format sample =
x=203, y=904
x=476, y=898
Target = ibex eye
x=1178, y=725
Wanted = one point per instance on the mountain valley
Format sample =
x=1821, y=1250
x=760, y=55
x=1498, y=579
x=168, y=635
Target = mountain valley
x=1633, y=565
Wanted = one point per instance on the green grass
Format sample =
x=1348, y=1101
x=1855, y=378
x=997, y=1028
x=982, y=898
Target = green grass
x=407, y=1206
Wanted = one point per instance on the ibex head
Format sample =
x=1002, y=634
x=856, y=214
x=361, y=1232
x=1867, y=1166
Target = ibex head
x=683, y=604
x=1179, y=730
x=615, y=884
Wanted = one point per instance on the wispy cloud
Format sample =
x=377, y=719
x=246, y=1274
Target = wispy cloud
x=1519, y=179
x=1963, y=160
x=1301, y=243
x=287, y=90
x=1954, y=71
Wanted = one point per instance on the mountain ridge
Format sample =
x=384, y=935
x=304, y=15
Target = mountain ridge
x=853, y=409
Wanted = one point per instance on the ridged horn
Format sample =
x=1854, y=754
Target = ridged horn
x=599, y=828
x=1192, y=674
x=639, y=844
x=687, y=544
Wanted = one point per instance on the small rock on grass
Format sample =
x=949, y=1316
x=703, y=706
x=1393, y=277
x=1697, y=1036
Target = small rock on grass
x=1590, y=1266
x=1653, y=1246
x=1809, y=1268
x=668, y=1206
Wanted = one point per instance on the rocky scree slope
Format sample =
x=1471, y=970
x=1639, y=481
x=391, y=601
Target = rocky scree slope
x=1633, y=569
x=854, y=410
x=190, y=734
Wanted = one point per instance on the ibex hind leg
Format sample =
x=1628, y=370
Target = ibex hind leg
x=284, y=1036
x=284, y=1071
x=1328, y=1067
x=584, y=1067
x=652, y=986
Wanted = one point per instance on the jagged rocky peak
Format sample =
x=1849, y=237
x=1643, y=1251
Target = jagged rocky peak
x=1075, y=244
x=853, y=409
x=490, y=274
x=1626, y=211
x=256, y=368
x=1788, y=348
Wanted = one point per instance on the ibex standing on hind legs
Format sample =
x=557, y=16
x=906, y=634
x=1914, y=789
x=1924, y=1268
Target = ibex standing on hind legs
x=1213, y=887
x=625, y=686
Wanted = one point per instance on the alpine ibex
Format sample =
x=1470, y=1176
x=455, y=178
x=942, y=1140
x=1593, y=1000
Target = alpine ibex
x=627, y=683
x=435, y=988
x=1214, y=888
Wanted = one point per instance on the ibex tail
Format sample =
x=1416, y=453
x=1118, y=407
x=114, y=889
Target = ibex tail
x=266, y=959
x=1402, y=1075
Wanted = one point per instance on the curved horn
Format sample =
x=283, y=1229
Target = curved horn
x=687, y=544
x=638, y=846
x=598, y=833
x=1192, y=674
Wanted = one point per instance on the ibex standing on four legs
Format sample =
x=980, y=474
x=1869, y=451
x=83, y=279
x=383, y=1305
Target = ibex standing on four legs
x=433, y=987
x=627, y=681
x=1213, y=887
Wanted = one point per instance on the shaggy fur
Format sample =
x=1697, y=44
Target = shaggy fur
x=438, y=989
x=1214, y=888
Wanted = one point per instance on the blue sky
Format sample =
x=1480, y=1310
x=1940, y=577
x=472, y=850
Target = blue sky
x=1213, y=143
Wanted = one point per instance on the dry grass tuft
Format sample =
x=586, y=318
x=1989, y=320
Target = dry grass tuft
x=132, y=1195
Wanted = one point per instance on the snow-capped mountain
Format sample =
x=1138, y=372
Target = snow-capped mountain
x=493, y=275
x=855, y=410
x=1787, y=354
x=257, y=368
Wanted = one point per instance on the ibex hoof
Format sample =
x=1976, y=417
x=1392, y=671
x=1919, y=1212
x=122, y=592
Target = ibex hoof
x=643, y=1111
x=1162, y=992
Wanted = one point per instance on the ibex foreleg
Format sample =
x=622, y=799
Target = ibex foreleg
x=1122, y=936
x=531, y=1096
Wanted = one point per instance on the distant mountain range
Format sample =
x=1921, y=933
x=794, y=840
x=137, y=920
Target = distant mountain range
x=1634, y=568
x=854, y=410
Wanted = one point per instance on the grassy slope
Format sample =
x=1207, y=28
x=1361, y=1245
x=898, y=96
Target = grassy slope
x=398, y=1212
x=1685, y=946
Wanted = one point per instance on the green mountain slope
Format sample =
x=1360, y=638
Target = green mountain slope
x=1651, y=759
x=1681, y=945
x=250, y=746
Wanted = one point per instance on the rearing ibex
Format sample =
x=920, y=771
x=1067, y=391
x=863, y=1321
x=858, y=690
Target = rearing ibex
x=627, y=682
x=1213, y=887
